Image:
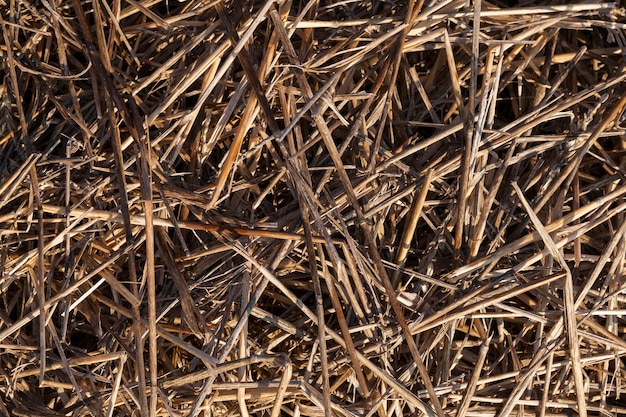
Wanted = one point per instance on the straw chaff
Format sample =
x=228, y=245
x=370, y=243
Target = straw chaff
x=316, y=208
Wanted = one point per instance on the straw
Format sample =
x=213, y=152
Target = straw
x=355, y=208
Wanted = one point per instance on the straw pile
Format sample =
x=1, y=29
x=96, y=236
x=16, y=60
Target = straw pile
x=358, y=208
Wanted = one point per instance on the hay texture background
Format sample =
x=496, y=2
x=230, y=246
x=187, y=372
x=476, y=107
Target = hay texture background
x=307, y=208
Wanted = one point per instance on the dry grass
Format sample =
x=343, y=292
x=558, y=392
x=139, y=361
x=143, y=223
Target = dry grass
x=311, y=208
